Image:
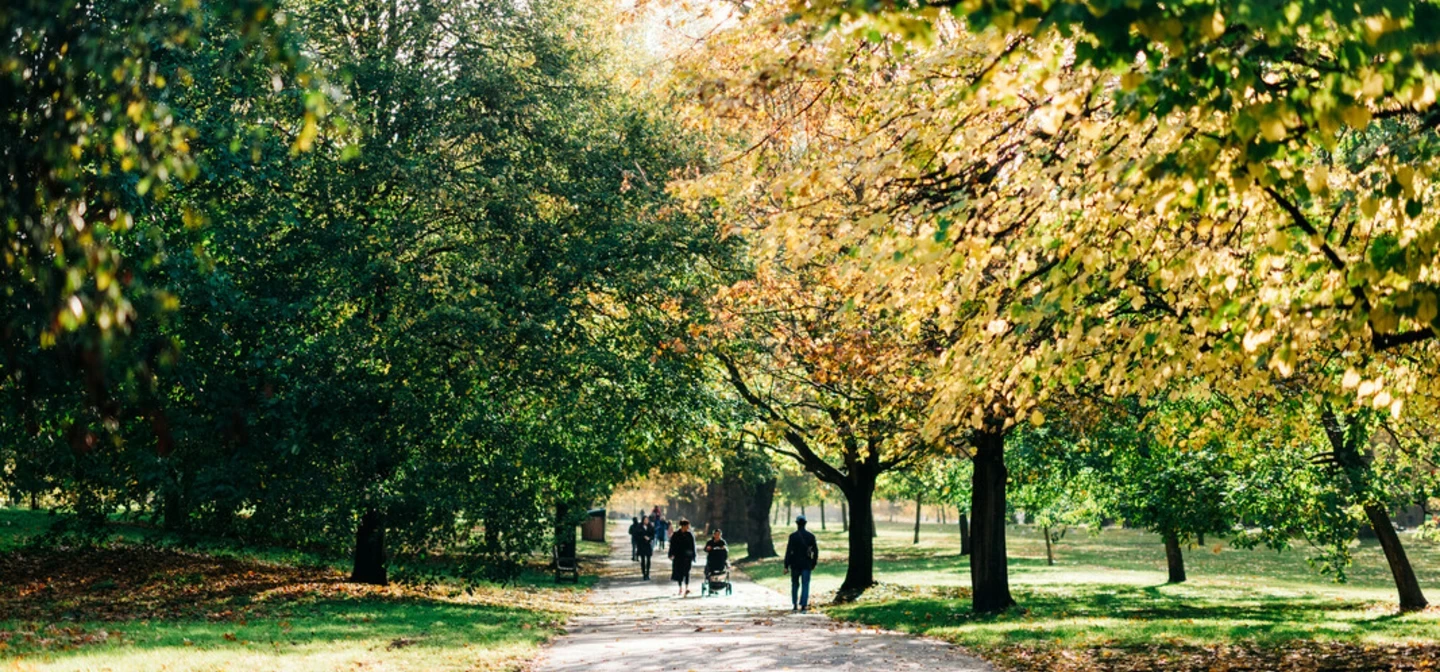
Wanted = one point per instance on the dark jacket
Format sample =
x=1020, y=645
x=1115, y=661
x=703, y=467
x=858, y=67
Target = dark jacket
x=643, y=539
x=801, y=552
x=682, y=545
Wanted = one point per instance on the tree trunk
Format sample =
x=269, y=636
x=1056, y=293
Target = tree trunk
x=964, y=534
x=370, y=550
x=762, y=544
x=860, y=571
x=1174, y=558
x=989, y=568
x=1411, y=599
x=917, y=520
x=1346, y=441
x=822, y=515
x=1049, y=552
x=844, y=518
x=789, y=512
x=737, y=516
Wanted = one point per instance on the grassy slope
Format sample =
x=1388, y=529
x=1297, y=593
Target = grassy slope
x=236, y=611
x=1108, y=590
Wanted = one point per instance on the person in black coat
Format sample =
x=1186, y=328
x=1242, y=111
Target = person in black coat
x=643, y=542
x=682, y=555
x=635, y=529
x=802, y=553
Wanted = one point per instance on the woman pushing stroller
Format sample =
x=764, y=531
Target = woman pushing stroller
x=717, y=565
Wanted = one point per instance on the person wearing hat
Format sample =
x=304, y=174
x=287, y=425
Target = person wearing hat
x=802, y=553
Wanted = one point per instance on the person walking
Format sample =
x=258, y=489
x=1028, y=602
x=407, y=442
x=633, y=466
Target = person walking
x=802, y=553
x=644, y=547
x=682, y=555
x=662, y=530
x=635, y=529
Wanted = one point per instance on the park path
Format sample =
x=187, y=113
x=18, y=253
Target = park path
x=639, y=626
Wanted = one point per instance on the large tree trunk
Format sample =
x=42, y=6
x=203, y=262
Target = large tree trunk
x=370, y=550
x=917, y=520
x=1174, y=558
x=989, y=568
x=964, y=534
x=1411, y=599
x=736, y=518
x=762, y=544
x=860, y=572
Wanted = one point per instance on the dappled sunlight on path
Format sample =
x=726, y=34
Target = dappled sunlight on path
x=636, y=625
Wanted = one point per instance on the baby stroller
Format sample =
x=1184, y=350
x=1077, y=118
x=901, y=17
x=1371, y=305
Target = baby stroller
x=717, y=572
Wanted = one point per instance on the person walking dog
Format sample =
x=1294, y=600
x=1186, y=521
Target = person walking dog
x=802, y=553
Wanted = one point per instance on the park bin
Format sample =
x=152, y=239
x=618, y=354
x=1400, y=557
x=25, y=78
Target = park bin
x=593, y=529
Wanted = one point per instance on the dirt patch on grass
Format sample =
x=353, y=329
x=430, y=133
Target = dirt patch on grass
x=1292, y=657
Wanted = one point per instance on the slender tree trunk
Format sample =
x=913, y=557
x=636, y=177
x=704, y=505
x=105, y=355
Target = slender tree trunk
x=1347, y=441
x=822, y=515
x=989, y=567
x=370, y=550
x=762, y=544
x=1049, y=552
x=964, y=534
x=844, y=518
x=1411, y=598
x=1174, y=558
x=789, y=512
x=942, y=515
x=775, y=515
x=917, y=520
x=860, y=572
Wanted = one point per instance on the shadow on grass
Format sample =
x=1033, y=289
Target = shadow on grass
x=376, y=623
x=1124, y=616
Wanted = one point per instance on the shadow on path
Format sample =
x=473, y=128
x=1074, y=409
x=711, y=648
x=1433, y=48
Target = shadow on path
x=639, y=626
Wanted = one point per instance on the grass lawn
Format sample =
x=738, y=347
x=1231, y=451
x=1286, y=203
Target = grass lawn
x=1105, y=604
x=141, y=607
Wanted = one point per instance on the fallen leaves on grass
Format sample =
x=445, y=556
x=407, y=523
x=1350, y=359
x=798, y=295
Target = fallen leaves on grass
x=1293, y=657
x=127, y=583
x=55, y=637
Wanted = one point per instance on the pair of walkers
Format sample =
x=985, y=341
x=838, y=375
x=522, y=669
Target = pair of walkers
x=642, y=537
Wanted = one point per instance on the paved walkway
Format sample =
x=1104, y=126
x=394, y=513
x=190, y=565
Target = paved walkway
x=639, y=626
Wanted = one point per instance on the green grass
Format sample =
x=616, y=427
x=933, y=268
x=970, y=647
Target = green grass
x=1108, y=590
x=223, y=608
x=402, y=634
